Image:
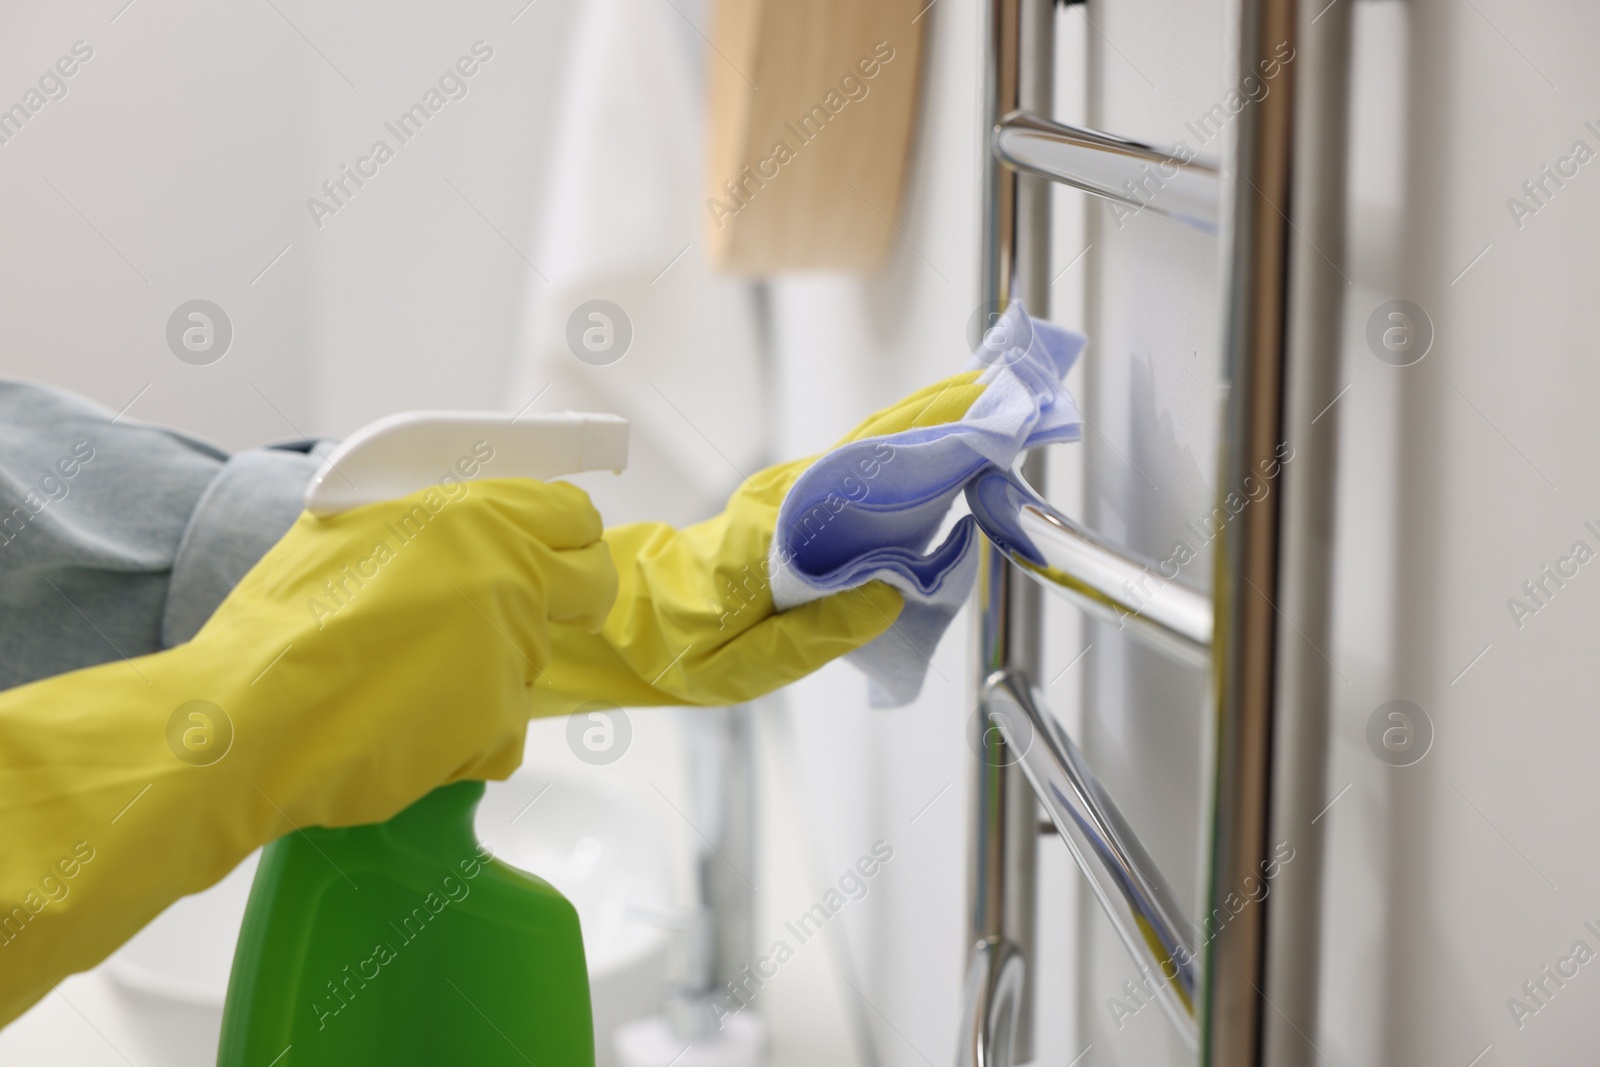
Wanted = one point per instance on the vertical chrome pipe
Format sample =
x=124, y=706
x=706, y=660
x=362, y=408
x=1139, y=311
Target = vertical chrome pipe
x=1018, y=72
x=731, y=892
x=718, y=936
x=989, y=1018
x=1247, y=587
x=1300, y=791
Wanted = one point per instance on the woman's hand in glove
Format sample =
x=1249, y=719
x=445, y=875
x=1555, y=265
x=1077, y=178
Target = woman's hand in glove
x=694, y=621
x=365, y=660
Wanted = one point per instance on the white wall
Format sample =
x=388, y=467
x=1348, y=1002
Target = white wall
x=179, y=164
x=1454, y=880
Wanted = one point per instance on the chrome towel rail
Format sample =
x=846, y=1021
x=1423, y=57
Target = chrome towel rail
x=1014, y=264
x=1069, y=560
x=1173, y=183
x=994, y=1003
x=1121, y=874
x=1270, y=584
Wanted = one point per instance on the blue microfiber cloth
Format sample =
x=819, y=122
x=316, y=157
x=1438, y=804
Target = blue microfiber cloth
x=870, y=509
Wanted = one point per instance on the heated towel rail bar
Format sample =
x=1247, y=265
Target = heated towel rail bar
x=1176, y=185
x=1234, y=999
x=1121, y=874
x=1066, y=558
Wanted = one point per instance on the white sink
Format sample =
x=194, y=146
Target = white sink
x=598, y=846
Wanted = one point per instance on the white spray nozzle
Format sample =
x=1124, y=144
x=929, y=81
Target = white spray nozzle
x=404, y=453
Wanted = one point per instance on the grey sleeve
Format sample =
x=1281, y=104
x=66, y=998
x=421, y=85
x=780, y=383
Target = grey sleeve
x=118, y=539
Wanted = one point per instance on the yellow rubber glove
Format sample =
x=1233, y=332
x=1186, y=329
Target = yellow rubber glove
x=694, y=621
x=369, y=658
x=365, y=660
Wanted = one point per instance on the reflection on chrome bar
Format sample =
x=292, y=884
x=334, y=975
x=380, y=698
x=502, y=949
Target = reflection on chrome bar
x=1120, y=872
x=1063, y=556
x=1176, y=185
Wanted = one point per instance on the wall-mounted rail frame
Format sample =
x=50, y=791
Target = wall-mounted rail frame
x=1283, y=181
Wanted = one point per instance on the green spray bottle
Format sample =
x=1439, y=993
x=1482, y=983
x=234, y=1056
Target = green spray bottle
x=402, y=943
x=406, y=943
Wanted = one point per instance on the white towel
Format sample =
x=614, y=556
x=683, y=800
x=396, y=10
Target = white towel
x=869, y=510
x=620, y=221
